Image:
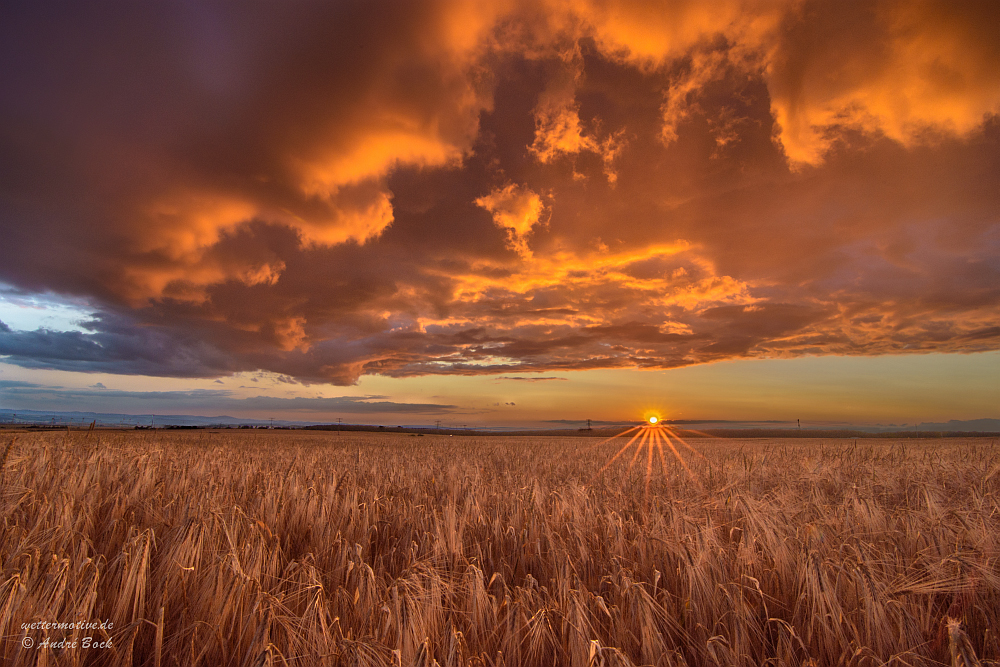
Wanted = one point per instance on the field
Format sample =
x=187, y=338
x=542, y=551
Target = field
x=313, y=548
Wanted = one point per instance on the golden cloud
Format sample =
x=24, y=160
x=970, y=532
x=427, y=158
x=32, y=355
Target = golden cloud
x=516, y=209
x=909, y=71
x=337, y=190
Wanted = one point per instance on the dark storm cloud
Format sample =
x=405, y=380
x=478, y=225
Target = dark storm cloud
x=117, y=345
x=450, y=187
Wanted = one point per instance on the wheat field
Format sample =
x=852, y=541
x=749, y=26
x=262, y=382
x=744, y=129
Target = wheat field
x=313, y=548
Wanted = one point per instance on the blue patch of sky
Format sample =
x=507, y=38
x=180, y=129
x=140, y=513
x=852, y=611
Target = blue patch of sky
x=23, y=311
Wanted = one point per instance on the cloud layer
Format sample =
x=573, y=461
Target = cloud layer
x=339, y=189
x=212, y=399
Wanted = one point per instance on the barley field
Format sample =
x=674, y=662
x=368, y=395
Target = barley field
x=313, y=548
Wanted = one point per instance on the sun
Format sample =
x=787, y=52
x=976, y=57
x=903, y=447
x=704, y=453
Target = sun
x=654, y=419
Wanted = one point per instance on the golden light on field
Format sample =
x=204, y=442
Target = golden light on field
x=463, y=540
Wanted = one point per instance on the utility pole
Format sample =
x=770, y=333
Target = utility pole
x=272, y=423
x=437, y=424
x=799, y=422
x=338, y=426
x=588, y=426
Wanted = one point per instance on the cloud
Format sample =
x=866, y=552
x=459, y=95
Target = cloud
x=210, y=399
x=516, y=209
x=912, y=72
x=528, y=379
x=454, y=187
x=114, y=344
x=559, y=131
x=35, y=390
x=248, y=116
x=908, y=71
x=17, y=384
x=346, y=404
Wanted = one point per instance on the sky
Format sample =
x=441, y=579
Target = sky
x=502, y=213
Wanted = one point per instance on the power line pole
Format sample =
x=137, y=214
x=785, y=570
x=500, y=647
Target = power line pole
x=338, y=426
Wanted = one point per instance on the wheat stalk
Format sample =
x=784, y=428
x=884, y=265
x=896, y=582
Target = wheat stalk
x=962, y=652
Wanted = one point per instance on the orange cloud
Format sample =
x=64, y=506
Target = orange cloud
x=651, y=32
x=336, y=190
x=558, y=131
x=909, y=71
x=291, y=334
x=359, y=218
x=516, y=209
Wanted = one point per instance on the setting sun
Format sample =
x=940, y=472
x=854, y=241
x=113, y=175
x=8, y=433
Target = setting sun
x=653, y=419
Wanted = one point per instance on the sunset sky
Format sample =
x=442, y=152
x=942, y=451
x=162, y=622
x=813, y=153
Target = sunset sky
x=502, y=212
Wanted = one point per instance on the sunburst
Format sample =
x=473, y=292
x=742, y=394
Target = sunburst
x=652, y=436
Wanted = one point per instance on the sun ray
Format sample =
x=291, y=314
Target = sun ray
x=649, y=456
x=680, y=460
x=663, y=461
x=638, y=448
x=681, y=440
x=655, y=436
x=620, y=452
